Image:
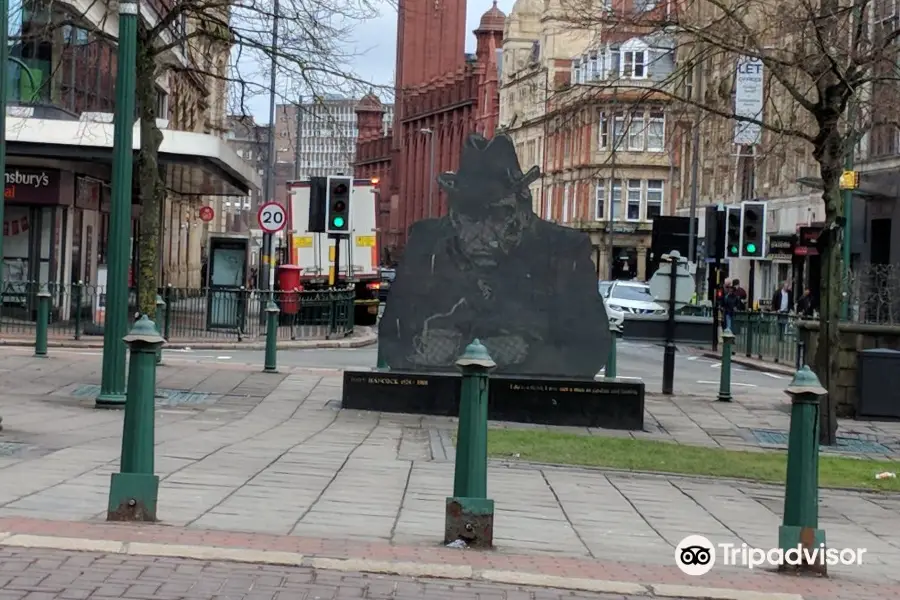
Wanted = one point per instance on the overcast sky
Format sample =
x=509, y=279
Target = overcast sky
x=377, y=42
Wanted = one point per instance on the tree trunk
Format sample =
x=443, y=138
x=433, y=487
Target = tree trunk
x=827, y=364
x=151, y=186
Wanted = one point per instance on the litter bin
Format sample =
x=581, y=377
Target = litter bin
x=878, y=378
x=289, y=284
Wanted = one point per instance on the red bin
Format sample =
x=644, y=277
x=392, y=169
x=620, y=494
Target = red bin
x=289, y=284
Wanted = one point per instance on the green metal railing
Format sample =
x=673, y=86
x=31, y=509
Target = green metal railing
x=766, y=336
x=77, y=311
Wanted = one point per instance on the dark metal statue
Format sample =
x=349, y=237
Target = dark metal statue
x=493, y=270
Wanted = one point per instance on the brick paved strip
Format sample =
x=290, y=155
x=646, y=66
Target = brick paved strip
x=29, y=574
x=436, y=561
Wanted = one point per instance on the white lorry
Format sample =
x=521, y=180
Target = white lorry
x=314, y=252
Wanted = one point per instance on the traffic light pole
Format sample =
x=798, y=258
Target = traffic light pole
x=337, y=260
x=717, y=270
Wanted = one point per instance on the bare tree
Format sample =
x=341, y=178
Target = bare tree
x=822, y=59
x=311, y=58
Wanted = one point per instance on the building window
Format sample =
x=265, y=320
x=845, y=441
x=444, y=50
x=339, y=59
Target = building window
x=634, y=200
x=577, y=71
x=636, y=132
x=615, y=201
x=618, y=130
x=633, y=64
x=654, y=198
x=595, y=64
x=602, y=131
x=567, y=200
x=644, y=5
x=601, y=200
x=656, y=131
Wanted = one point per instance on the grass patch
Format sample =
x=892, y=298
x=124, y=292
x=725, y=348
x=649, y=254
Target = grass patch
x=648, y=455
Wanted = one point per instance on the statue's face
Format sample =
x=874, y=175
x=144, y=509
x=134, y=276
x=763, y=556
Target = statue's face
x=489, y=232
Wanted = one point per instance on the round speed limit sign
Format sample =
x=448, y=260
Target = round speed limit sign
x=271, y=217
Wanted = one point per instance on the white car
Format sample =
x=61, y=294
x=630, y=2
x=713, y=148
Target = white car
x=631, y=298
x=613, y=315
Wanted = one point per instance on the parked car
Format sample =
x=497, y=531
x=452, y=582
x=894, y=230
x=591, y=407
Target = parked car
x=631, y=298
x=615, y=316
x=387, y=278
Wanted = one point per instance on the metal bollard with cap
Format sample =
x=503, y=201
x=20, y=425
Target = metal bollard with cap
x=134, y=490
x=725, y=375
x=43, y=322
x=800, y=524
x=615, y=332
x=159, y=319
x=272, y=312
x=470, y=513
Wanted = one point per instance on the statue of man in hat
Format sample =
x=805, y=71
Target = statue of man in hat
x=493, y=270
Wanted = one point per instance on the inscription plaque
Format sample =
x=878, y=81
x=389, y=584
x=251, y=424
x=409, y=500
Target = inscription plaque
x=610, y=404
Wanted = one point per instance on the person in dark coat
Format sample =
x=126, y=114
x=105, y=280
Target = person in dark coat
x=493, y=270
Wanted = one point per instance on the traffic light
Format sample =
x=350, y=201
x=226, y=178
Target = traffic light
x=733, y=234
x=715, y=232
x=753, y=230
x=338, y=213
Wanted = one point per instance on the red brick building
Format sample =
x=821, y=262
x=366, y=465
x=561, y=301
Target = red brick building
x=441, y=96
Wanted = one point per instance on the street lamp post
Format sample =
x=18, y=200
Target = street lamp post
x=431, y=175
x=112, y=383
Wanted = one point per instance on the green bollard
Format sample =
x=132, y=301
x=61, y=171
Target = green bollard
x=725, y=375
x=800, y=525
x=271, y=337
x=43, y=321
x=615, y=332
x=160, y=316
x=470, y=513
x=134, y=490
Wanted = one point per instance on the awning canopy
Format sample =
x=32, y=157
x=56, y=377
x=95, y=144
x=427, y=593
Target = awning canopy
x=197, y=163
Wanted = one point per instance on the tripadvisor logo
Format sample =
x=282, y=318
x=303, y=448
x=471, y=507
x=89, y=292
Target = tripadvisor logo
x=696, y=555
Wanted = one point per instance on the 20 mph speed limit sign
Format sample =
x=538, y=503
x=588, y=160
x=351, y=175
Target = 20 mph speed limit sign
x=271, y=217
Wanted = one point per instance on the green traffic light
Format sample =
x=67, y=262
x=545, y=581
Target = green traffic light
x=751, y=248
x=338, y=221
x=734, y=249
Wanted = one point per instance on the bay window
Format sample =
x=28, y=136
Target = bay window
x=615, y=201
x=600, y=200
x=636, y=132
x=634, y=64
x=633, y=207
x=603, y=131
x=618, y=130
x=656, y=131
x=654, y=198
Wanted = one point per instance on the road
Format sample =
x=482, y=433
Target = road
x=693, y=374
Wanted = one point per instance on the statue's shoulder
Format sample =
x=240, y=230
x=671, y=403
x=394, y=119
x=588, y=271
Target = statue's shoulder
x=565, y=237
x=428, y=231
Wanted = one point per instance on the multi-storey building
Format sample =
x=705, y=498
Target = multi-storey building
x=441, y=96
x=580, y=104
x=319, y=138
x=59, y=146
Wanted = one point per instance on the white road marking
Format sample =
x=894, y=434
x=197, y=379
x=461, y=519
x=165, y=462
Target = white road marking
x=732, y=383
x=772, y=375
x=693, y=357
x=223, y=358
x=717, y=365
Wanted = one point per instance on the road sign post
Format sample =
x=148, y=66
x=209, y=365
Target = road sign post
x=272, y=218
x=674, y=283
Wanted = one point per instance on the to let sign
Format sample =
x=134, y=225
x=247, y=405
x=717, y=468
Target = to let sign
x=748, y=100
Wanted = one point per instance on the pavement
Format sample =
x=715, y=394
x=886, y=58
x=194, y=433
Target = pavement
x=254, y=462
x=361, y=337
